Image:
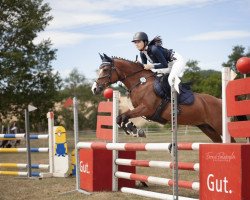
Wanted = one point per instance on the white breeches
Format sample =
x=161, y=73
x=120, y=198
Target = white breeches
x=175, y=68
x=178, y=66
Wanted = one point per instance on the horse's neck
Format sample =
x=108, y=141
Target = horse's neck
x=132, y=74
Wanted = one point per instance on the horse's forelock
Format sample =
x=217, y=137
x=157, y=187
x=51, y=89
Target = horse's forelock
x=104, y=64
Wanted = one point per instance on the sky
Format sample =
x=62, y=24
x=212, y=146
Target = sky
x=202, y=30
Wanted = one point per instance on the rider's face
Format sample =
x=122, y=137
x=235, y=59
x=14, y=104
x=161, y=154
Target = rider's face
x=139, y=44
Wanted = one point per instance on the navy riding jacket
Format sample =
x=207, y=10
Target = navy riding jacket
x=159, y=56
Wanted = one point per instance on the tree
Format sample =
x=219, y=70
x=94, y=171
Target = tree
x=26, y=74
x=237, y=52
x=203, y=81
x=77, y=86
x=74, y=80
x=192, y=75
x=211, y=82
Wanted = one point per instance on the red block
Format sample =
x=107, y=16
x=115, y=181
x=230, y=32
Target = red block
x=236, y=88
x=239, y=129
x=236, y=107
x=224, y=171
x=105, y=121
x=96, y=169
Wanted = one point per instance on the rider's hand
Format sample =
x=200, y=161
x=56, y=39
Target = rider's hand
x=148, y=66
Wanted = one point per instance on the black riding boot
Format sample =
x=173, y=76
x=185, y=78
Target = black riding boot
x=166, y=86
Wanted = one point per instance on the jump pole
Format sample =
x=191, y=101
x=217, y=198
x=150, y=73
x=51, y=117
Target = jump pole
x=27, y=133
x=50, y=117
x=116, y=96
x=174, y=142
x=76, y=135
x=226, y=77
x=53, y=164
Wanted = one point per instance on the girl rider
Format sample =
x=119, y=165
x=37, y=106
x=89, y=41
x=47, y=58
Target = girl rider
x=161, y=60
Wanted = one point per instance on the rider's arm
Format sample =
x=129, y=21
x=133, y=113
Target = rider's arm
x=162, y=62
x=143, y=58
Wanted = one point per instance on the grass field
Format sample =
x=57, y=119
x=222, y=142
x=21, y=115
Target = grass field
x=58, y=188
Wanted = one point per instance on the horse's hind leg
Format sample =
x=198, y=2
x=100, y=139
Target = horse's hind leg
x=210, y=132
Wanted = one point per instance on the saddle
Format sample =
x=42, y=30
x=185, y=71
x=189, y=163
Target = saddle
x=163, y=90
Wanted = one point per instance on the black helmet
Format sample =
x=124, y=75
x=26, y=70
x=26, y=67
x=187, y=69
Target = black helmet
x=140, y=36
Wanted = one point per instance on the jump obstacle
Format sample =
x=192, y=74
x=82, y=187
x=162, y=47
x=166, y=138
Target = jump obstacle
x=57, y=150
x=223, y=167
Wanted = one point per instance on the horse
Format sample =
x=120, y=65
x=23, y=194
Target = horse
x=205, y=112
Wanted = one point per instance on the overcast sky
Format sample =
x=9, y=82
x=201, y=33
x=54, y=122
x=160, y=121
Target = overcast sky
x=203, y=30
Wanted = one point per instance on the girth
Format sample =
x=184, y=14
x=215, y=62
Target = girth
x=157, y=115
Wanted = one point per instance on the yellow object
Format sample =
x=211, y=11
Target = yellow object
x=61, y=147
x=8, y=150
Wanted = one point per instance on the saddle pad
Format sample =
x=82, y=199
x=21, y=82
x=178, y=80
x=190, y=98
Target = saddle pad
x=162, y=89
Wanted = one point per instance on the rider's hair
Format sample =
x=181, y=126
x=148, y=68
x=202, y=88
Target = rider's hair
x=156, y=41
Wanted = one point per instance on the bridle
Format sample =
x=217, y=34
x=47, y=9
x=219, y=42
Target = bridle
x=112, y=68
x=109, y=75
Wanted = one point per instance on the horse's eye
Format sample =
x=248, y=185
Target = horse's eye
x=105, y=69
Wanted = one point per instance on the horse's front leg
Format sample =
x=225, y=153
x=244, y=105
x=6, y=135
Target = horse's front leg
x=129, y=127
x=122, y=121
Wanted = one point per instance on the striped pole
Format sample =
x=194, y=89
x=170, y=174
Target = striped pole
x=150, y=194
x=136, y=146
x=36, y=137
x=22, y=136
x=158, y=164
x=158, y=181
x=23, y=166
x=28, y=166
x=18, y=136
x=15, y=150
x=14, y=173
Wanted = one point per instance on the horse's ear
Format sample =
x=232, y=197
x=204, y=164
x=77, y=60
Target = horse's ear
x=107, y=58
x=101, y=56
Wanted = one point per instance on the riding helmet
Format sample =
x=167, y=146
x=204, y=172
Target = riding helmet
x=140, y=36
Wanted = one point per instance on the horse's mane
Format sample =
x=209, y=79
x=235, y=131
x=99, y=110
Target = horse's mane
x=115, y=57
x=130, y=61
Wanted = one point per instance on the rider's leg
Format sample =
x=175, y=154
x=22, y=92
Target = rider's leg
x=166, y=86
x=178, y=67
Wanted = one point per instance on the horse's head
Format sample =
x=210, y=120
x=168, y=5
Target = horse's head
x=119, y=69
x=107, y=75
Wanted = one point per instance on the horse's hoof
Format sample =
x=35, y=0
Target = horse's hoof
x=141, y=133
x=143, y=184
x=170, y=148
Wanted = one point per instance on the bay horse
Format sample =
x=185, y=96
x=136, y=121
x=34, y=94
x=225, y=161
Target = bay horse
x=205, y=112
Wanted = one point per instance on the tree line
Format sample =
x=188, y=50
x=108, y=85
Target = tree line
x=27, y=76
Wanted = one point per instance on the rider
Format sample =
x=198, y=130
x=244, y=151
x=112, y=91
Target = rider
x=161, y=60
